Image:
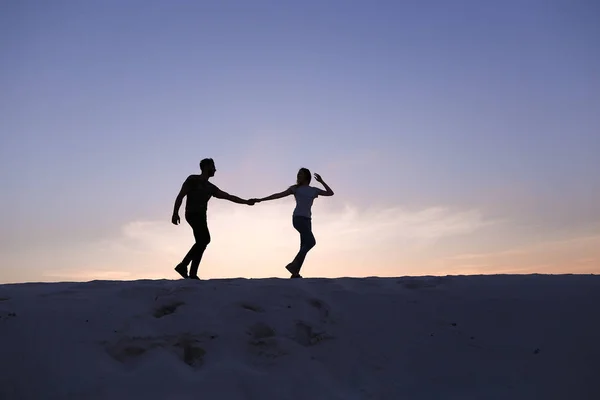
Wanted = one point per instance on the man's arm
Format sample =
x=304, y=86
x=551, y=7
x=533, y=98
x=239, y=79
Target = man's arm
x=279, y=195
x=185, y=188
x=328, y=191
x=219, y=194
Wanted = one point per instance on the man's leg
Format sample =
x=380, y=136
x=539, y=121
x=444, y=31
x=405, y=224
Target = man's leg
x=202, y=237
x=190, y=255
x=181, y=268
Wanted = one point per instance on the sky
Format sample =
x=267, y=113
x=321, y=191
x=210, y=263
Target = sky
x=459, y=137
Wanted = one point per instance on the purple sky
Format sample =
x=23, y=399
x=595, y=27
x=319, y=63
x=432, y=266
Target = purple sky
x=487, y=111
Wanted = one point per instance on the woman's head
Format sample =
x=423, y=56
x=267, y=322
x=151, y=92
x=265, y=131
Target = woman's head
x=303, y=177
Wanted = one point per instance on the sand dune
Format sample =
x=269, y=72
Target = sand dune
x=455, y=337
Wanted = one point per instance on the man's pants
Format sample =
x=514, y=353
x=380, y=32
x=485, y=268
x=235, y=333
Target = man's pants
x=202, y=236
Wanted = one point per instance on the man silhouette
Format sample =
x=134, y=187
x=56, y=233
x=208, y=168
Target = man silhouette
x=199, y=190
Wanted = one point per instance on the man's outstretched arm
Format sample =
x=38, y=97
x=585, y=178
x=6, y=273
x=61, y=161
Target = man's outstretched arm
x=219, y=194
x=178, y=200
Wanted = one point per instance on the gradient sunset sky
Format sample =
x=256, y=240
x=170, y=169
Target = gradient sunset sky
x=460, y=137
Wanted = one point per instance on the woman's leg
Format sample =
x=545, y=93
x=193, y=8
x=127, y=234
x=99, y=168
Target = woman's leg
x=307, y=240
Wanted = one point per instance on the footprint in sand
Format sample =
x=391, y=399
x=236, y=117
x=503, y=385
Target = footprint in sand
x=167, y=309
x=264, y=343
x=323, y=309
x=252, y=307
x=306, y=335
x=260, y=330
x=129, y=350
x=6, y=315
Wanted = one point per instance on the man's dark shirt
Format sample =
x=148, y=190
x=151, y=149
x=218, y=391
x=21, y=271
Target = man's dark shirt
x=199, y=191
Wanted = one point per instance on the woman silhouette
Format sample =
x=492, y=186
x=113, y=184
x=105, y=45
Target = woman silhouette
x=302, y=215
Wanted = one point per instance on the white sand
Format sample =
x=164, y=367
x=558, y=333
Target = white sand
x=468, y=337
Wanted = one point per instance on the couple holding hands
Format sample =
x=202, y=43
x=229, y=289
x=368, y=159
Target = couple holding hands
x=199, y=190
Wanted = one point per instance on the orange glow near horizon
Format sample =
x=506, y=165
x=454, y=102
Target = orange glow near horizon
x=258, y=243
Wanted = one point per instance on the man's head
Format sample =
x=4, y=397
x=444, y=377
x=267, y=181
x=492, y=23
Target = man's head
x=207, y=166
x=303, y=176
